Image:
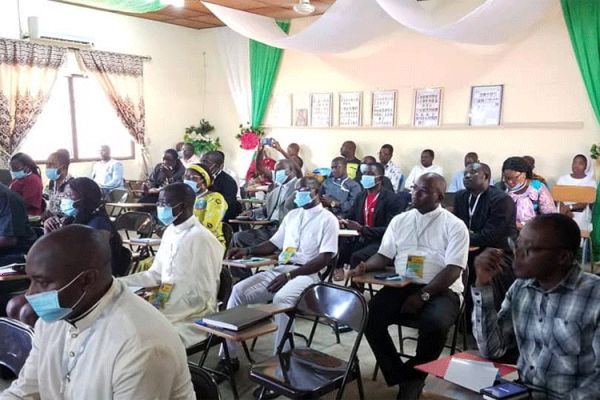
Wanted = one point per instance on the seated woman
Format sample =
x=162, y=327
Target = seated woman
x=170, y=170
x=27, y=182
x=580, y=176
x=57, y=172
x=210, y=207
x=531, y=197
x=82, y=204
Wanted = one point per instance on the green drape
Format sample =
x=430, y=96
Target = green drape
x=583, y=22
x=264, y=63
x=132, y=6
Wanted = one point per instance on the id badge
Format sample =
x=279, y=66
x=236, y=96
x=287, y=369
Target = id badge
x=284, y=256
x=200, y=203
x=162, y=297
x=415, y=266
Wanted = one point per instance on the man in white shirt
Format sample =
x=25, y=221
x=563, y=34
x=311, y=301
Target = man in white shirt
x=107, y=173
x=186, y=267
x=307, y=239
x=188, y=155
x=392, y=171
x=430, y=246
x=426, y=166
x=95, y=340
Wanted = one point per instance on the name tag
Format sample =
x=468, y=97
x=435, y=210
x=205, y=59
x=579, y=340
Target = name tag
x=415, y=266
x=284, y=256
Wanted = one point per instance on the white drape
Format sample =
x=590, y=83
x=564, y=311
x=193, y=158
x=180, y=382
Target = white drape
x=234, y=50
x=493, y=22
x=349, y=23
x=346, y=25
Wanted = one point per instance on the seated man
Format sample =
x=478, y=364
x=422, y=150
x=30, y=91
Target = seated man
x=372, y=212
x=392, y=171
x=339, y=191
x=489, y=213
x=348, y=151
x=307, y=239
x=223, y=183
x=429, y=245
x=456, y=183
x=170, y=170
x=426, y=166
x=108, y=172
x=551, y=313
x=16, y=236
x=387, y=183
x=187, y=264
x=274, y=209
x=94, y=339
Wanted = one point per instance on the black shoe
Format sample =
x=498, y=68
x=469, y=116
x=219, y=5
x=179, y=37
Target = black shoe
x=226, y=368
x=410, y=390
x=268, y=395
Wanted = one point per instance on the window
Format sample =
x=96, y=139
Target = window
x=78, y=117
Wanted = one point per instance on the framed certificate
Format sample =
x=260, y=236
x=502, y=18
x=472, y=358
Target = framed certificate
x=428, y=105
x=321, y=109
x=350, y=111
x=383, y=109
x=486, y=105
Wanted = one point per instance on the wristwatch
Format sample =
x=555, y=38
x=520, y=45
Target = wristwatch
x=571, y=207
x=425, y=296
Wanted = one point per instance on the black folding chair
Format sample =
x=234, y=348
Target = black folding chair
x=16, y=339
x=301, y=373
x=205, y=386
x=136, y=225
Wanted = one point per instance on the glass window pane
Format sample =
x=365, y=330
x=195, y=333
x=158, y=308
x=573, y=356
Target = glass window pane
x=97, y=122
x=52, y=130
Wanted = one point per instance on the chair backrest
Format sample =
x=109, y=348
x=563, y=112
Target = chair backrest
x=204, y=385
x=340, y=304
x=5, y=177
x=135, y=221
x=576, y=194
x=118, y=196
x=225, y=288
x=16, y=339
x=227, y=234
x=134, y=187
x=326, y=274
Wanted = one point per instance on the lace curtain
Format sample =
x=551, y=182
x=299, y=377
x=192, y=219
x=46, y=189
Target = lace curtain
x=27, y=74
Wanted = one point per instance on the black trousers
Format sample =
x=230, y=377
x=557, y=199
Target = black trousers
x=353, y=251
x=434, y=321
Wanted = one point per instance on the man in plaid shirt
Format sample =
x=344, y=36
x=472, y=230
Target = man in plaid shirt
x=551, y=312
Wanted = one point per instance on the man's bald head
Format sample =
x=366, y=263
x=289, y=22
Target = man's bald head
x=428, y=192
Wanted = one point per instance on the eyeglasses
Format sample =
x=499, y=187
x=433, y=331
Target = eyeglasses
x=515, y=248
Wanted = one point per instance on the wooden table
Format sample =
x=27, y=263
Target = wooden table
x=252, y=332
x=440, y=389
x=13, y=277
x=369, y=278
x=257, y=188
x=248, y=264
x=253, y=200
x=261, y=222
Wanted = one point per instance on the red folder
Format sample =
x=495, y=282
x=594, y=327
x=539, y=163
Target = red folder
x=440, y=366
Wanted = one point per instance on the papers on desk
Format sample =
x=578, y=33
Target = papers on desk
x=348, y=232
x=145, y=241
x=12, y=269
x=440, y=366
x=473, y=375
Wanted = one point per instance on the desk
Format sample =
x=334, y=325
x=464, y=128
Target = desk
x=348, y=233
x=257, y=188
x=439, y=389
x=252, y=332
x=128, y=206
x=13, y=277
x=369, y=278
x=247, y=263
x=250, y=222
x=253, y=201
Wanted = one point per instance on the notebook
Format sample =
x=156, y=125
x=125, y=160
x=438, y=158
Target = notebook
x=505, y=391
x=235, y=319
x=440, y=366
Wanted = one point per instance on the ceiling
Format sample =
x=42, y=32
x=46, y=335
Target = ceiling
x=195, y=15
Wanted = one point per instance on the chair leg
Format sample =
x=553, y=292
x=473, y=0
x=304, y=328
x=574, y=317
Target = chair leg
x=232, y=373
x=375, y=371
x=336, y=330
x=359, y=383
x=400, y=339
x=253, y=343
x=248, y=356
x=312, y=332
x=262, y=392
x=464, y=329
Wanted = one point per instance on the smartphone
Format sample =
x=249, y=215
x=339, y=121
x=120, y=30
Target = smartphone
x=385, y=275
x=266, y=141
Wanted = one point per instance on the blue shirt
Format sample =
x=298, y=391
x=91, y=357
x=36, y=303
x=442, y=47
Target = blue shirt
x=343, y=190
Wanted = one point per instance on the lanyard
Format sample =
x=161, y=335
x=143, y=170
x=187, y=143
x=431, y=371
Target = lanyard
x=472, y=209
x=341, y=184
x=68, y=366
x=302, y=228
x=419, y=234
x=368, y=206
x=174, y=253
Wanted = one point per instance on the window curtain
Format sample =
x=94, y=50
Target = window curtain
x=122, y=78
x=582, y=18
x=264, y=64
x=27, y=74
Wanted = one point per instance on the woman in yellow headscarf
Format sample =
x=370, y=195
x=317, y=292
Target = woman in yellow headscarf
x=210, y=207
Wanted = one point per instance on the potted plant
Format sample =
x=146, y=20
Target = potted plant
x=198, y=136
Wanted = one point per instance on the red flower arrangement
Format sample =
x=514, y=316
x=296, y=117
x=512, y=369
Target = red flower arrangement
x=249, y=137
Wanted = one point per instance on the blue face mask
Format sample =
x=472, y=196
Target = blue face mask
x=18, y=174
x=47, y=305
x=279, y=176
x=165, y=214
x=367, y=181
x=303, y=198
x=363, y=168
x=67, y=206
x=52, y=173
x=192, y=184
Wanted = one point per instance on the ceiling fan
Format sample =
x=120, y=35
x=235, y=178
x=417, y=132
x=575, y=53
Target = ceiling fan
x=304, y=7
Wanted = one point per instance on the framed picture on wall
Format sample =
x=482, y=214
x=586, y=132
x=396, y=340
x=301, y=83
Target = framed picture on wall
x=321, y=110
x=301, y=117
x=350, y=112
x=486, y=105
x=428, y=107
x=383, y=109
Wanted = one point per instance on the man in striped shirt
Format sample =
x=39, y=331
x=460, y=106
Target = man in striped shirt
x=551, y=313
